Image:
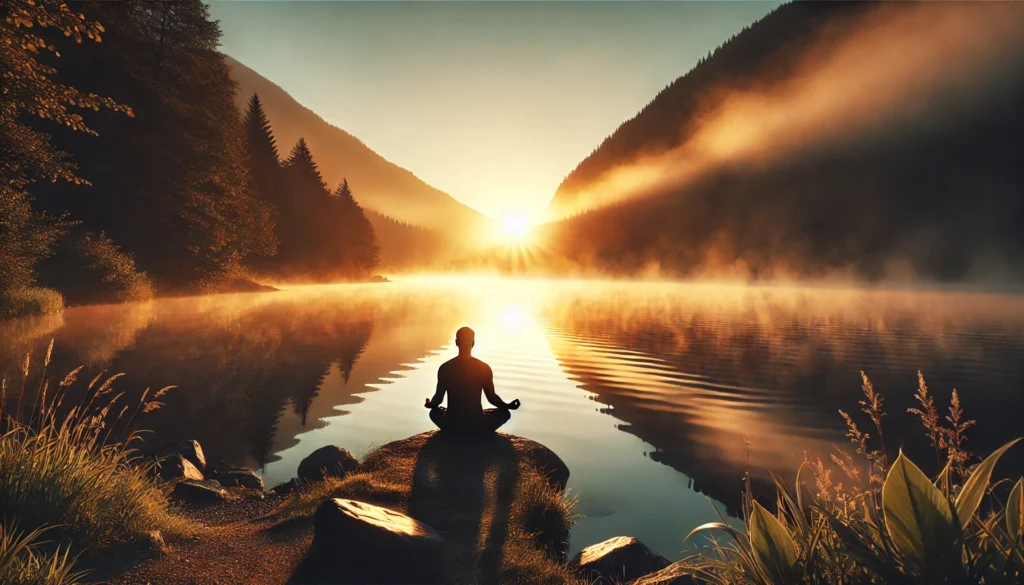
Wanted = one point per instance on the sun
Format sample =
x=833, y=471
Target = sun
x=515, y=226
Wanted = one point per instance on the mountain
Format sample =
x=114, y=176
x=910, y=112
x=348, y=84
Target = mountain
x=840, y=139
x=377, y=183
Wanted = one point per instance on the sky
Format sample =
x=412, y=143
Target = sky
x=491, y=102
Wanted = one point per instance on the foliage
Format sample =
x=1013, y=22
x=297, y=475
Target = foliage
x=22, y=562
x=890, y=524
x=178, y=198
x=65, y=465
x=322, y=236
x=93, y=269
x=30, y=89
x=30, y=301
x=115, y=268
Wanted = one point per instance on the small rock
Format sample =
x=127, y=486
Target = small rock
x=355, y=542
x=673, y=574
x=328, y=461
x=287, y=487
x=175, y=467
x=188, y=449
x=199, y=493
x=155, y=541
x=233, y=476
x=619, y=559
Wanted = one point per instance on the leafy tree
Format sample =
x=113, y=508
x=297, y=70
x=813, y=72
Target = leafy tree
x=179, y=196
x=26, y=155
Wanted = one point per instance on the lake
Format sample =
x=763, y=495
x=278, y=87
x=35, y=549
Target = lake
x=658, y=396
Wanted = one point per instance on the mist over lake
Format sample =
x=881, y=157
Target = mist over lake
x=655, y=394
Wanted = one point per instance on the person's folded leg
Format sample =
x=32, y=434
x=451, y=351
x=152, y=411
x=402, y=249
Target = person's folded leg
x=438, y=416
x=495, y=417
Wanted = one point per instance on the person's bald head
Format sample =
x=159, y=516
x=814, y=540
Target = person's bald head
x=465, y=338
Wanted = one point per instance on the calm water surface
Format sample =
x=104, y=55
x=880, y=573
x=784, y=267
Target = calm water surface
x=657, y=396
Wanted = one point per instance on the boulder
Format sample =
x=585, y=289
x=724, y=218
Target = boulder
x=328, y=461
x=283, y=489
x=175, y=467
x=199, y=492
x=551, y=465
x=673, y=574
x=355, y=542
x=188, y=449
x=617, y=560
x=233, y=476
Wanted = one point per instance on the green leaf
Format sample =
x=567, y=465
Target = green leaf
x=974, y=488
x=919, y=519
x=1015, y=511
x=942, y=482
x=772, y=545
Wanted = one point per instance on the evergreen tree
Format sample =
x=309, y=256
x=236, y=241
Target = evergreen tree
x=303, y=169
x=179, y=197
x=259, y=136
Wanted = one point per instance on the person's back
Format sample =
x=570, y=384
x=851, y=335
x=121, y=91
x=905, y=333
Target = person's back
x=463, y=379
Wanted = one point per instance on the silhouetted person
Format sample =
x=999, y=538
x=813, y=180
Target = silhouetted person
x=463, y=378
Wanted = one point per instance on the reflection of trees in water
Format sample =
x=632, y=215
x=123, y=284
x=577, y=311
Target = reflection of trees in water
x=699, y=371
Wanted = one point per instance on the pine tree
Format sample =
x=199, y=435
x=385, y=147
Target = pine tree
x=301, y=162
x=259, y=136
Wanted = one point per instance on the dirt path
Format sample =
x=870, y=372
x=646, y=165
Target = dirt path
x=233, y=545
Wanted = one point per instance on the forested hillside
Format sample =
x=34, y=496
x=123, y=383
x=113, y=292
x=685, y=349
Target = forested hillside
x=851, y=139
x=382, y=185
x=127, y=170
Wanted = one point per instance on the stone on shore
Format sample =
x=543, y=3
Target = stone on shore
x=199, y=492
x=283, y=489
x=190, y=450
x=673, y=574
x=617, y=560
x=234, y=476
x=356, y=542
x=328, y=461
x=175, y=467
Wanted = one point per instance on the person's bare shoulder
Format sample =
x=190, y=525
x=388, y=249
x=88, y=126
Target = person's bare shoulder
x=482, y=366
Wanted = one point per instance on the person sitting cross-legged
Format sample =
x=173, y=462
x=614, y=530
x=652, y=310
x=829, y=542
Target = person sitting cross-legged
x=463, y=378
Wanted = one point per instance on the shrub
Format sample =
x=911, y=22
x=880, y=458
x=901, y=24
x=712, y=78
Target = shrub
x=115, y=270
x=30, y=301
x=885, y=524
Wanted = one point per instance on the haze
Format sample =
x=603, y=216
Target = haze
x=493, y=102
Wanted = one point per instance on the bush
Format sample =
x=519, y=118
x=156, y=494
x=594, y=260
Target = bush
x=118, y=278
x=885, y=524
x=30, y=301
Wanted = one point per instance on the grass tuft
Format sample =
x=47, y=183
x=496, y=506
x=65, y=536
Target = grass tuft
x=64, y=470
x=30, y=301
x=22, y=562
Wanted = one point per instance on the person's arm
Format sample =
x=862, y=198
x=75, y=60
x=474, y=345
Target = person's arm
x=438, y=395
x=493, y=397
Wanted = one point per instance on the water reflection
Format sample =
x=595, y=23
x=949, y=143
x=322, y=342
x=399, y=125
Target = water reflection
x=654, y=394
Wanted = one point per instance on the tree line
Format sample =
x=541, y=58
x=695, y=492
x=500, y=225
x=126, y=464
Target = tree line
x=163, y=187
